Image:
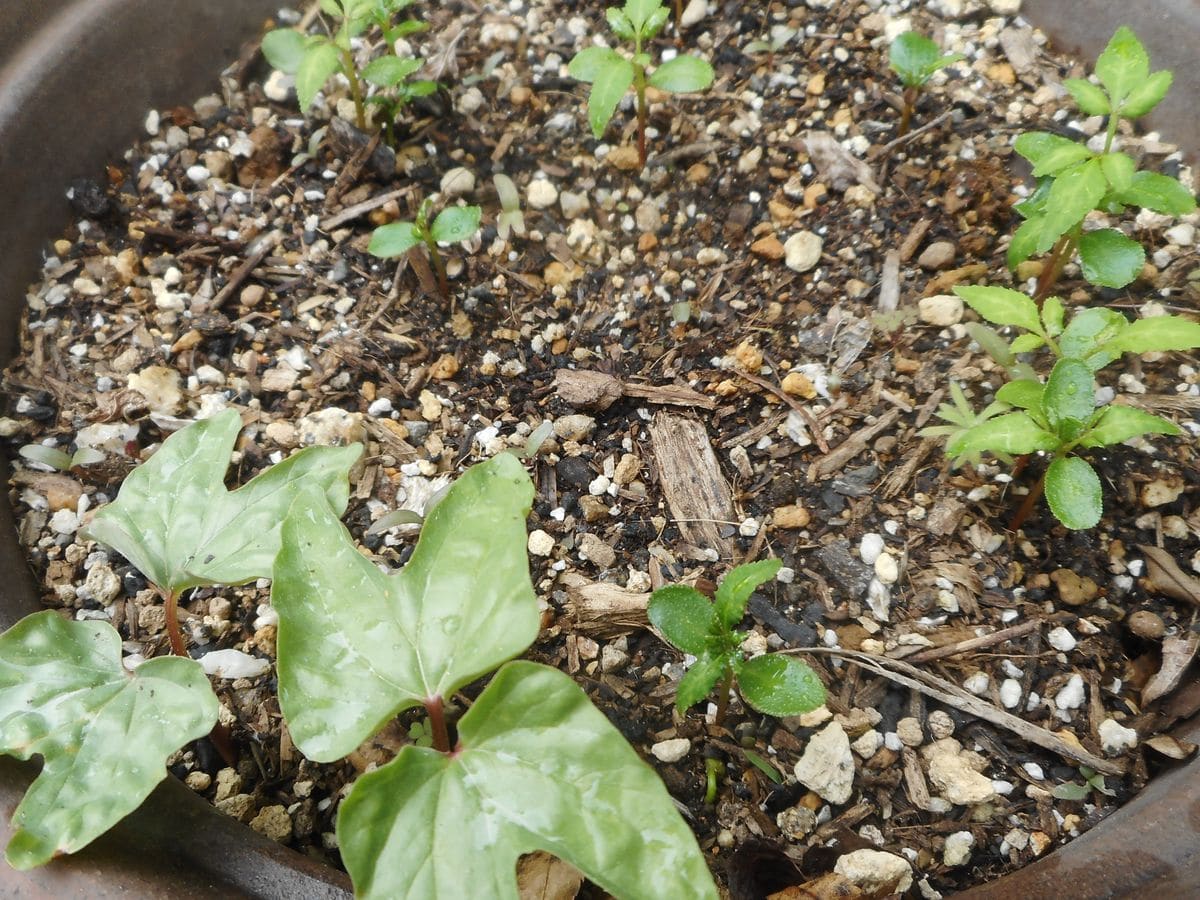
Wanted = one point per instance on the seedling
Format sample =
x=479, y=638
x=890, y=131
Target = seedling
x=1060, y=416
x=1073, y=181
x=772, y=683
x=312, y=59
x=1073, y=790
x=611, y=74
x=510, y=218
x=60, y=459
x=962, y=417
x=454, y=223
x=915, y=58
x=393, y=74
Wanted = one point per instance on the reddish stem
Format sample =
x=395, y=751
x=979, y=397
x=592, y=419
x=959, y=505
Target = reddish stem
x=171, y=606
x=1053, y=269
x=642, y=114
x=437, y=724
x=1027, y=506
x=910, y=100
x=439, y=268
x=723, y=689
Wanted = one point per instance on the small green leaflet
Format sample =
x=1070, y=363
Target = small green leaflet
x=393, y=239
x=915, y=58
x=1123, y=66
x=1073, y=492
x=1157, y=333
x=1159, y=193
x=175, y=521
x=284, y=49
x=1011, y=433
x=684, y=616
x=611, y=76
x=320, y=61
x=1091, y=99
x=1075, y=192
x=455, y=223
x=1049, y=153
x=1070, y=394
x=682, y=75
x=1002, y=306
x=1120, y=423
x=357, y=646
x=104, y=734
x=537, y=768
x=698, y=681
x=779, y=685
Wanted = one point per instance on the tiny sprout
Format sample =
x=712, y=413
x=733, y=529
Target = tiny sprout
x=915, y=58
x=453, y=224
x=391, y=74
x=510, y=218
x=57, y=459
x=611, y=74
x=962, y=418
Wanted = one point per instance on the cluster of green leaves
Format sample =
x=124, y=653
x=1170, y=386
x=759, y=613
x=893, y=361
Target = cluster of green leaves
x=312, y=59
x=1059, y=415
x=1073, y=180
x=961, y=417
x=452, y=224
x=915, y=58
x=104, y=734
x=772, y=683
x=535, y=765
x=611, y=74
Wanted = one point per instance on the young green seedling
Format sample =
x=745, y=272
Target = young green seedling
x=60, y=459
x=453, y=224
x=915, y=58
x=1073, y=181
x=1060, y=416
x=511, y=217
x=392, y=74
x=962, y=417
x=611, y=74
x=531, y=765
x=312, y=59
x=772, y=683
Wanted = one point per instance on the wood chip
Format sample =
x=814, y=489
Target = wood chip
x=696, y=492
x=851, y=447
x=604, y=610
x=1178, y=653
x=1165, y=576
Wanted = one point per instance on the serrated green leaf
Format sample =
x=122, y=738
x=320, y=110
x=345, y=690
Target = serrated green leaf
x=357, y=646
x=1109, y=258
x=103, y=733
x=1023, y=394
x=1123, y=66
x=1014, y=433
x=1070, y=393
x=1075, y=192
x=682, y=75
x=1002, y=306
x=1024, y=242
x=1146, y=95
x=699, y=681
x=393, y=239
x=640, y=12
x=1120, y=423
x=654, y=22
x=537, y=768
x=1026, y=343
x=1155, y=334
x=993, y=345
x=321, y=60
x=1087, y=331
x=1073, y=492
x=174, y=520
x=685, y=617
x=1118, y=170
x=739, y=584
x=1159, y=193
x=1052, y=316
x=331, y=8
x=388, y=71
x=608, y=87
x=779, y=685
x=284, y=49
x=1090, y=98
x=456, y=223
x=620, y=24
x=1050, y=153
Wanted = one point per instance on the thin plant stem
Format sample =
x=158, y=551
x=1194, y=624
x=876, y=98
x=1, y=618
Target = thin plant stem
x=1026, y=507
x=910, y=100
x=437, y=724
x=640, y=84
x=171, y=607
x=439, y=267
x=1063, y=249
x=360, y=112
x=723, y=689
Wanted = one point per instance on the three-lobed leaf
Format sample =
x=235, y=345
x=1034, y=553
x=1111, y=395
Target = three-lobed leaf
x=175, y=521
x=1073, y=492
x=357, y=646
x=456, y=223
x=778, y=685
x=685, y=617
x=104, y=734
x=537, y=768
x=1123, y=65
x=736, y=587
x=1109, y=258
x=682, y=75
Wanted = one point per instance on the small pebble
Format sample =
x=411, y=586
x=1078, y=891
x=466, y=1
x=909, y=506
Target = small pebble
x=802, y=251
x=540, y=543
x=1146, y=624
x=1115, y=738
x=1061, y=639
x=1071, y=695
x=671, y=751
x=1010, y=693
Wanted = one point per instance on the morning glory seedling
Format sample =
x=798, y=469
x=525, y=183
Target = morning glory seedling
x=915, y=58
x=453, y=224
x=1059, y=416
x=611, y=74
x=1073, y=180
x=772, y=683
x=312, y=59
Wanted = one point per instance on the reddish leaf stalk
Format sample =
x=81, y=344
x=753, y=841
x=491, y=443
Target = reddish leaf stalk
x=171, y=607
x=437, y=724
x=1063, y=249
x=723, y=689
x=439, y=267
x=910, y=100
x=1026, y=507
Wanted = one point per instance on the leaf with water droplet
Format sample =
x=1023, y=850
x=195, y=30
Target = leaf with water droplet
x=538, y=768
x=357, y=646
x=103, y=733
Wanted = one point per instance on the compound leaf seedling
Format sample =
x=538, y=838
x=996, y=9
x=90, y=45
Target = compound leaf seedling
x=1073, y=180
x=175, y=521
x=104, y=734
x=611, y=74
x=915, y=58
x=534, y=765
x=453, y=224
x=773, y=684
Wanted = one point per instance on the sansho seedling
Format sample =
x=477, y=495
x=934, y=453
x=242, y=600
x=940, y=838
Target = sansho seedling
x=915, y=58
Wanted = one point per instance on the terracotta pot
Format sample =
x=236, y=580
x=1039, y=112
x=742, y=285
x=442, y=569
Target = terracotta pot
x=76, y=78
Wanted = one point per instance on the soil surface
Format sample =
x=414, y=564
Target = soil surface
x=736, y=352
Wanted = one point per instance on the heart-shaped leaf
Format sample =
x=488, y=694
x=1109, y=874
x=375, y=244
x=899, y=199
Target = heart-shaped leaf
x=685, y=617
x=175, y=521
x=357, y=646
x=1109, y=258
x=739, y=584
x=1073, y=492
x=537, y=768
x=104, y=734
x=779, y=685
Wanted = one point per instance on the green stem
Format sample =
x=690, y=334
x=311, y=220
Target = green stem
x=639, y=83
x=1113, y=121
x=723, y=689
x=360, y=113
x=713, y=769
x=437, y=724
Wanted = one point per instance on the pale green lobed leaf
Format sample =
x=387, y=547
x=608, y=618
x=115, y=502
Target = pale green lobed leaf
x=699, y=681
x=1118, y=170
x=1050, y=153
x=1154, y=334
x=1123, y=66
x=175, y=521
x=537, y=768
x=1073, y=492
x=1147, y=95
x=1087, y=331
x=357, y=646
x=104, y=734
x=1023, y=394
x=1090, y=98
x=608, y=87
x=591, y=61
